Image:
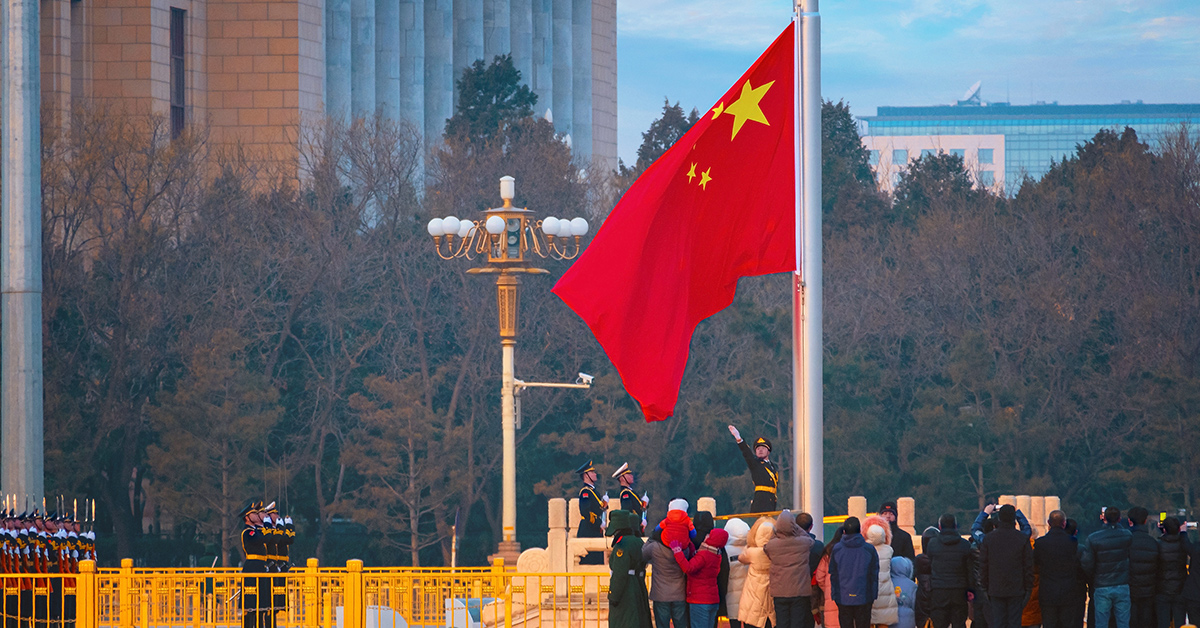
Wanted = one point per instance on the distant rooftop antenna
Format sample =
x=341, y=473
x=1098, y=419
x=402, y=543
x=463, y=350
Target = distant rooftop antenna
x=972, y=95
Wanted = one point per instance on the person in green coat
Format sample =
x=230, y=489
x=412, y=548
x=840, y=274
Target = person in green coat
x=628, y=602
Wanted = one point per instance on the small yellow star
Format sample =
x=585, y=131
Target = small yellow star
x=691, y=173
x=716, y=111
x=704, y=179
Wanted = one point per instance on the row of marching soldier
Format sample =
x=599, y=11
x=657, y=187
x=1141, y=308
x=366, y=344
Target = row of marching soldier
x=266, y=540
x=37, y=543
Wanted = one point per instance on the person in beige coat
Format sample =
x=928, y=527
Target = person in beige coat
x=738, y=530
x=886, y=610
x=756, y=606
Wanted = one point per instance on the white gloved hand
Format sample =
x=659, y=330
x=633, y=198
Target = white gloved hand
x=737, y=435
x=646, y=498
x=604, y=498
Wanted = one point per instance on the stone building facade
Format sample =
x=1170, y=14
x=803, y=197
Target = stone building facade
x=255, y=70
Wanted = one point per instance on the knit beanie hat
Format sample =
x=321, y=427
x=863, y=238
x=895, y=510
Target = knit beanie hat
x=717, y=538
x=677, y=504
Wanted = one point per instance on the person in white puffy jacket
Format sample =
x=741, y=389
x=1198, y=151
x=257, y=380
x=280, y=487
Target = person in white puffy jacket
x=879, y=534
x=756, y=606
x=737, y=530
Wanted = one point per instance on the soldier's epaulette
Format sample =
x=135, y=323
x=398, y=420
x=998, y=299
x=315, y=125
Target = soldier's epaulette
x=587, y=489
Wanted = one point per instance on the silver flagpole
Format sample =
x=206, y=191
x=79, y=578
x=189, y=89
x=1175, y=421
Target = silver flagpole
x=807, y=346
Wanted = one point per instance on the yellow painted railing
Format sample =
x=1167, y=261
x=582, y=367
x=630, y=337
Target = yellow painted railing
x=310, y=596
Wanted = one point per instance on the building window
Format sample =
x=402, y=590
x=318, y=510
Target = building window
x=958, y=152
x=985, y=156
x=178, y=86
x=987, y=178
x=928, y=152
x=899, y=157
x=874, y=158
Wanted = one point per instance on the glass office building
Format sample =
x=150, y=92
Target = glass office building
x=1034, y=135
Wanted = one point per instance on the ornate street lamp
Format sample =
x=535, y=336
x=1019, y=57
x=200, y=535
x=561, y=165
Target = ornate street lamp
x=504, y=237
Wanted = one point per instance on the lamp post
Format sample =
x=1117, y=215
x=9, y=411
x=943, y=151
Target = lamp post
x=504, y=237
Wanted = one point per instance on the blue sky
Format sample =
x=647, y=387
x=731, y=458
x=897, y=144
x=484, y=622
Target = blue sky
x=913, y=52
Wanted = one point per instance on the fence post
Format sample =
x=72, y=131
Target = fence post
x=125, y=593
x=355, y=615
x=87, y=612
x=312, y=594
x=502, y=591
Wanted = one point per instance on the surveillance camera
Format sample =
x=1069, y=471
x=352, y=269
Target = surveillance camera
x=584, y=378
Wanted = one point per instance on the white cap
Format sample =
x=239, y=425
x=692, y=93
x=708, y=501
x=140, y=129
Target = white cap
x=621, y=469
x=678, y=504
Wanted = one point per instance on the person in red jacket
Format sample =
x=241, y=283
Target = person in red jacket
x=703, y=596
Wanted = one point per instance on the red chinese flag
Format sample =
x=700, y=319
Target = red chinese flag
x=719, y=205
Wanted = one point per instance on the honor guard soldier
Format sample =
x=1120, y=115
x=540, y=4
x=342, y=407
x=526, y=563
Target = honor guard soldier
x=628, y=604
x=255, y=590
x=629, y=499
x=277, y=538
x=762, y=471
x=591, y=512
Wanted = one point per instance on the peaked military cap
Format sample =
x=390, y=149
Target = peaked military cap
x=250, y=507
x=763, y=442
x=621, y=470
x=584, y=468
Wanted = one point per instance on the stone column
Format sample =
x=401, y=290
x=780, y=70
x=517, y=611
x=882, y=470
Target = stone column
x=521, y=34
x=556, y=537
x=388, y=40
x=581, y=79
x=362, y=58
x=337, y=59
x=497, y=29
x=706, y=504
x=856, y=506
x=439, y=68
x=1023, y=505
x=1052, y=504
x=604, y=83
x=468, y=36
x=1037, y=514
x=411, y=107
x=541, y=79
x=573, y=517
x=906, y=515
x=21, y=460
x=1008, y=500
x=562, y=58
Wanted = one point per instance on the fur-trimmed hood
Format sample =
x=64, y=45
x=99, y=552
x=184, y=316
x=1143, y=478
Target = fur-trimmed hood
x=877, y=530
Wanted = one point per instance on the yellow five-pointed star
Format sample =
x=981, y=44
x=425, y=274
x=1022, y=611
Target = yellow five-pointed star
x=704, y=179
x=746, y=107
x=691, y=173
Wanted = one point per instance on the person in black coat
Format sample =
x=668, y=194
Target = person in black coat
x=902, y=544
x=1056, y=560
x=1172, y=571
x=1191, y=585
x=951, y=567
x=922, y=568
x=1143, y=570
x=1106, y=559
x=1006, y=566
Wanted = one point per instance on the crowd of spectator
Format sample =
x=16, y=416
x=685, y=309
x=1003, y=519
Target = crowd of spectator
x=775, y=573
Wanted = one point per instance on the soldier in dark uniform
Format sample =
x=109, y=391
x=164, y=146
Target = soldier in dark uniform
x=276, y=540
x=628, y=604
x=255, y=590
x=591, y=512
x=762, y=471
x=629, y=499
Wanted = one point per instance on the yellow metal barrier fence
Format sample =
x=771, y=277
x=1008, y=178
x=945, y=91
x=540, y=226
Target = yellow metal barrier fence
x=306, y=597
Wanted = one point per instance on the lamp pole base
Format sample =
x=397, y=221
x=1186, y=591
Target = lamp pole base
x=509, y=551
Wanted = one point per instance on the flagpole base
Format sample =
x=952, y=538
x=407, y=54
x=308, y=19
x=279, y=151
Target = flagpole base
x=509, y=551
